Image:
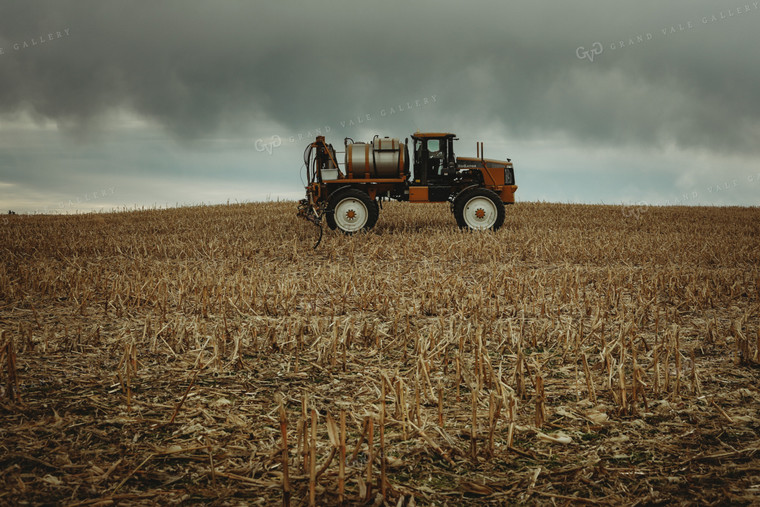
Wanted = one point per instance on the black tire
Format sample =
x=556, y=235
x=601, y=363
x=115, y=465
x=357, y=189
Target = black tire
x=351, y=200
x=467, y=212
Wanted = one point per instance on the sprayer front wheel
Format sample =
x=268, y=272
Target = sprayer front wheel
x=351, y=210
x=479, y=209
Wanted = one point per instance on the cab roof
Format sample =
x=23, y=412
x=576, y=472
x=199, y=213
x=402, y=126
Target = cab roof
x=426, y=135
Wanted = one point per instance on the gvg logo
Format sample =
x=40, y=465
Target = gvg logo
x=596, y=49
x=635, y=210
x=274, y=142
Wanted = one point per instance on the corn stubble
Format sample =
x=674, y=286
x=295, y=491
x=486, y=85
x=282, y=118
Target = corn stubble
x=208, y=354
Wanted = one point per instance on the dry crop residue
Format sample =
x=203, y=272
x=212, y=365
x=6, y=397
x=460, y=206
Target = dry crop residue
x=208, y=354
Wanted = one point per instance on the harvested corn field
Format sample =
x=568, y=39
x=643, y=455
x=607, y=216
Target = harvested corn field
x=581, y=354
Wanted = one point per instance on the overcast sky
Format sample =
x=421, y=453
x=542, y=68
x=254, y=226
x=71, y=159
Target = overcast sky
x=106, y=104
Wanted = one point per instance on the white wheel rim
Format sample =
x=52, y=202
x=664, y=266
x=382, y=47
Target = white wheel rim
x=480, y=213
x=351, y=214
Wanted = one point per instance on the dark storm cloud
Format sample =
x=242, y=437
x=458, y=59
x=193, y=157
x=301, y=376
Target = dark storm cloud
x=200, y=68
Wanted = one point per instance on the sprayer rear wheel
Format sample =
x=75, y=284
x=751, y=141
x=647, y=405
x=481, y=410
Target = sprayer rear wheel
x=351, y=210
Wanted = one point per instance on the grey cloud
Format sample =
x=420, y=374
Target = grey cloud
x=201, y=68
